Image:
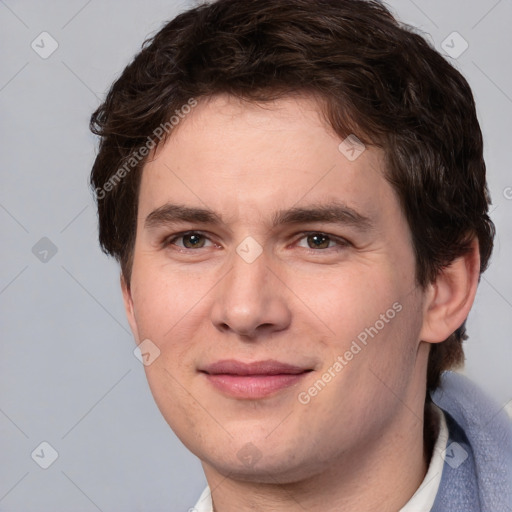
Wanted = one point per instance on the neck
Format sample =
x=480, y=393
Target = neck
x=381, y=475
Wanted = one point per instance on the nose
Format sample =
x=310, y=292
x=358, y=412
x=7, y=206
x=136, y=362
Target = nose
x=251, y=301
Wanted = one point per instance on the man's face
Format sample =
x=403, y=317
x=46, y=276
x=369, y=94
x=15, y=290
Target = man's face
x=303, y=261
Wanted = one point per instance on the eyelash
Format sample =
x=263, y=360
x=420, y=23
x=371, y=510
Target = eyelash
x=341, y=242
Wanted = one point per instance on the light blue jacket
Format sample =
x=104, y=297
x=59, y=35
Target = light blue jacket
x=477, y=473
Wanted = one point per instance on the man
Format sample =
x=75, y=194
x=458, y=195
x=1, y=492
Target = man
x=296, y=194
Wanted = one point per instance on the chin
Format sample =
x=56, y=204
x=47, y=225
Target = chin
x=266, y=466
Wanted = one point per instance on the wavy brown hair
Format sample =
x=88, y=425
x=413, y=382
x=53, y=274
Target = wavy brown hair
x=372, y=76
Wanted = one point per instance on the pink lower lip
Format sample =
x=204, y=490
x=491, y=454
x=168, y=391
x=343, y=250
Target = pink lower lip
x=253, y=386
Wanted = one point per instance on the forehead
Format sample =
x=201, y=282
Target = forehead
x=246, y=159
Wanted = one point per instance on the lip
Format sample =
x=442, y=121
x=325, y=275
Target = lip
x=253, y=380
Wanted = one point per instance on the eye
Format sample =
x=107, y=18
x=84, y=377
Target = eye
x=317, y=241
x=190, y=240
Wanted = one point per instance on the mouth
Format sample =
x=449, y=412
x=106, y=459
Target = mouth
x=254, y=380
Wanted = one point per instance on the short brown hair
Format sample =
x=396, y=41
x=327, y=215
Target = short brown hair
x=372, y=76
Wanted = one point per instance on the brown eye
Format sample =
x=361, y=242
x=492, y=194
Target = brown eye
x=318, y=241
x=190, y=241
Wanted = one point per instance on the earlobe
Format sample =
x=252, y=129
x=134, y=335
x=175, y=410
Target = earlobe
x=450, y=297
x=128, y=306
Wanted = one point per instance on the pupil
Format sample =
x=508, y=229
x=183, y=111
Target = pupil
x=192, y=240
x=319, y=241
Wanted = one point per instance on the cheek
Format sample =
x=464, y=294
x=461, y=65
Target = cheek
x=374, y=323
x=171, y=310
x=176, y=404
x=351, y=302
x=163, y=300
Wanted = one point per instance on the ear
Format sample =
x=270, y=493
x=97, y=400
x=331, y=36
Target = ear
x=450, y=297
x=128, y=306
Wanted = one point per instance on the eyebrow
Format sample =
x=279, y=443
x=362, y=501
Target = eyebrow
x=333, y=212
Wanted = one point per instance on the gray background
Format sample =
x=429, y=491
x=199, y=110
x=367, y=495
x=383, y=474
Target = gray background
x=67, y=371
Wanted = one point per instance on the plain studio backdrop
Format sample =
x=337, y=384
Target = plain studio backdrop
x=68, y=374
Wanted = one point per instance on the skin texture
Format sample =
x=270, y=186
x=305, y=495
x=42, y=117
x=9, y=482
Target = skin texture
x=358, y=443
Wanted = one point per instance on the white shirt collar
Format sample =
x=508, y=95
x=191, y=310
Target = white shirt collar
x=204, y=504
x=422, y=500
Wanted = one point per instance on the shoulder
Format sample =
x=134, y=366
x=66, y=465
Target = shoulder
x=477, y=473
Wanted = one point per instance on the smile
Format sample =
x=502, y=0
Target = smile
x=253, y=380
